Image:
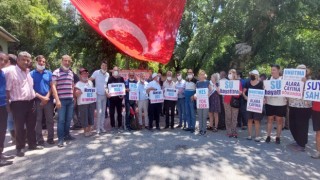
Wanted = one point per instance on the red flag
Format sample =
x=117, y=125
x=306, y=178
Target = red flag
x=143, y=29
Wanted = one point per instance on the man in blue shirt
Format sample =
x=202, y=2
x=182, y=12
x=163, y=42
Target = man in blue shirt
x=129, y=103
x=44, y=103
x=3, y=111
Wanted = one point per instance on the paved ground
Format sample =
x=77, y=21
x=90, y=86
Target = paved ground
x=171, y=154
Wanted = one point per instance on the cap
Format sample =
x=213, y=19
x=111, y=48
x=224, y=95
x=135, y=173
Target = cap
x=255, y=72
x=81, y=70
x=154, y=75
x=302, y=66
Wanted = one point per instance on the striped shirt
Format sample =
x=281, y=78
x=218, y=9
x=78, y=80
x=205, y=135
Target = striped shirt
x=64, y=83
x=20, y=84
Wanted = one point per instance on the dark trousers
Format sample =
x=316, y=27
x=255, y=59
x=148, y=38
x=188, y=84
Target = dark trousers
x=24, y=115
x=242, y=116
x=169, y=106
x=3, y=126
x=47, y=110
x=155, y=110
x=115, y=104
x=129, y=104
x=299, y=124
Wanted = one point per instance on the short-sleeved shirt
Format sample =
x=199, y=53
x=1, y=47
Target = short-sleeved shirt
x=154, y=84
x=41, y=81
x=276, y=101
x=3, y=96
x=203, y=84
x=64, y=83
x=142, y=90
x=81, y=85
x=20, y=84
x=257, y=86
x=101, y=81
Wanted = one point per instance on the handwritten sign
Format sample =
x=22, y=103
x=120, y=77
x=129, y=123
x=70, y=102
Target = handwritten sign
x=202, y=98
x=133, y=93
x=171, y=94
x=88, y=96
x=230, y=87
x=272, y=88
x=255, y=100
x=294, y=74
x=312, y=91
x=292, y=89
x=116, y=89
x=156, y=96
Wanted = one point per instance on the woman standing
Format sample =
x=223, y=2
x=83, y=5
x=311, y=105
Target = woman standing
x=214, y=103
x=316, y=127
x=231, y=113
x=86, y=106
x=253, y=116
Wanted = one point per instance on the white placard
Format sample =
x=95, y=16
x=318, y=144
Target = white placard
x=312, y=90
x=230, y=87
x=294, y=74
x=116, y=89
x=255, y=100
x=292, y=89
x=156, y=96
x=202, y=98
x=88, y=96
x=171, y=94
x=272, y=88
x=133, y=93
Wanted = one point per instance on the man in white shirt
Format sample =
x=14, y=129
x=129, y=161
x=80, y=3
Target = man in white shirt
x=101, y=77
x=155, y=108
x=169, y=105
x=143, y=101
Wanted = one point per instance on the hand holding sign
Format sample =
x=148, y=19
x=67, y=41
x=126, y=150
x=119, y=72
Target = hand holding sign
x=202, y=98
x=116, y=89
x=133, y=92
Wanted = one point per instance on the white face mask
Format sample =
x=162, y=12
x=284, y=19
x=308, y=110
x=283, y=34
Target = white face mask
x=40, y=68
x=230, y=76
x=190, y=76
x=65, y=68
x=158, y=78
x=115, y=73
x=169, y=78
x=131, y=79
x=179, y=77
x=85, y=78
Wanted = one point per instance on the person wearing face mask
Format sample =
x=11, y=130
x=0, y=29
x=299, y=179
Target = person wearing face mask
x=62, y=89
x=129, y=103
x=254, y=83
x=154, y=109
x=143, y=101
x=42, y=79
x=101, y=78
x=86, y=109
x=181, y=86
x=116, y=101
x=169, y=105
x=189, y=92
x=214, y=102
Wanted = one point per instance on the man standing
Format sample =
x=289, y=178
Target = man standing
x=62, y=89
x=155, y=108
x=44, y=103
x=101, y=78
x=143, y=101
x=116, y=101
x=180, y=86
x=21, y=94
x=129, y=103
x=190, y=105
x=169, y=105
x=3, y=112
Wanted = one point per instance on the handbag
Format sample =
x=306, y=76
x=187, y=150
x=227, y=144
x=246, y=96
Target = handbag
x=235, y=102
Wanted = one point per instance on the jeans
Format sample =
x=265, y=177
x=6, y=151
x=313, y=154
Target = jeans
x=101, y=111
x=190, y=113
x=65, y=114
x=128, y=105
x=10, y=122
x=143, y=107
x=48, y=112
x=181, y=109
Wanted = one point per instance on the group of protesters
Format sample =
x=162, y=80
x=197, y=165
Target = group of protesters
x=28, y=97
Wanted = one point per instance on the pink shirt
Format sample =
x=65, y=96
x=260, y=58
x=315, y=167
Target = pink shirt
x=20, y=84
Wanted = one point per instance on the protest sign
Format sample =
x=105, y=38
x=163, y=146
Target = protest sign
x=88, y=96
x=292, y=89
x=202, y=98
x=116, y=89
x=137, y=72
x=230, y=87
x=133, y=93
x=312, y=90
x=272, y=88
x=294, y=74
x=255, y=100
x=171, y=94
x=156, y=96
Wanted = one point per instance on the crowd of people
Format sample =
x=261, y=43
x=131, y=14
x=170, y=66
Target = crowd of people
x=28, y=97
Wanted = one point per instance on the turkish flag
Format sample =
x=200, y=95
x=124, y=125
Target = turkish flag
x=143, y=29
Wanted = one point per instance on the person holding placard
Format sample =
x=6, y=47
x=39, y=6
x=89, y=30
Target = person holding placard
x=276, y=107
x=231, y=111
x=299, y=115
x=169, y=104
x=115, y=101
x=129, y=103
x=101, y=77
x=143, y=101
x=86, y=99
x=155, y=108
x=214, y=103
x=203, y=111
x=189, y=95
x=181, y=86
x=254, y=83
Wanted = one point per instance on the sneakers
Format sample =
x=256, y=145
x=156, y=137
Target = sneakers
x=249, y=138
x=200, y=133
x=257, y=139
x=277, y=140
x=268, y=139
x=20, y=152
x=60, y=143
x=50, y=141
x=5, y=162
x=69, y=138
x=316, y=155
